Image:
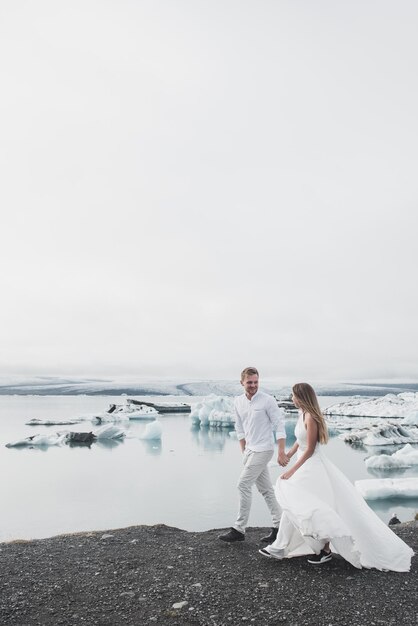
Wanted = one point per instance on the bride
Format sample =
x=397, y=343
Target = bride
x=322, y=511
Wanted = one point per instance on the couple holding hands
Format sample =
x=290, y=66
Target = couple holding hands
x=315, y=509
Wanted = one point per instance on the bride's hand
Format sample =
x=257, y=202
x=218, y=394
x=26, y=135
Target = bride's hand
x=282, y=459
x=287, y=474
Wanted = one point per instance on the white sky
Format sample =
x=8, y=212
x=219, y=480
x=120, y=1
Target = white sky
x=190, y=187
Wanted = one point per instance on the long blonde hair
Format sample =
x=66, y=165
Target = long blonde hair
x=309, y=403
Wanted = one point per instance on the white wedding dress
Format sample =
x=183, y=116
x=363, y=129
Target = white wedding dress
x=320, y=504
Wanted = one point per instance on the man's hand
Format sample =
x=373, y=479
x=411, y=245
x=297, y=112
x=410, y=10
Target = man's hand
x=282, y=459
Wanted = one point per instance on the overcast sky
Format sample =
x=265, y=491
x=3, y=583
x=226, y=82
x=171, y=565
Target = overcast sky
x=190, y=187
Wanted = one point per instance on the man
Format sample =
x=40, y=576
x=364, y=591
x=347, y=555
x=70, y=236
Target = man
x=257, y=417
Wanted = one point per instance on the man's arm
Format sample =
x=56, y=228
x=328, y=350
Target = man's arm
x=239, y=428
x=277, y=420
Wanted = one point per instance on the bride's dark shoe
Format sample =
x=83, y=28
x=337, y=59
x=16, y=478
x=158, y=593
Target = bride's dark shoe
x=322, y=557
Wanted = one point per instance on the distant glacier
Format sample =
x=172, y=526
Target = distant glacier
x=55, y=385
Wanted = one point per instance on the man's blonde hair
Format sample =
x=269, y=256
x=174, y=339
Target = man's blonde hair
x=249, y=371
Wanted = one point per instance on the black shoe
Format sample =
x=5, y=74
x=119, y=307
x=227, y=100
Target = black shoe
x=233, y=535
x=322, y=557
x=264, y=552
x=271, y=537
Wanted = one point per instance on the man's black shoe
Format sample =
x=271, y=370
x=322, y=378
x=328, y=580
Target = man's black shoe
x=233, y=535
x=271, y=537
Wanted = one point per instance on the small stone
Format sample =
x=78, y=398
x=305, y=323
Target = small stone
x=106, y=536
x=134, y=541
x=180, y=605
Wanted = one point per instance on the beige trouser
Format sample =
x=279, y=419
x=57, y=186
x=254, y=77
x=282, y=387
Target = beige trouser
x=256, y=472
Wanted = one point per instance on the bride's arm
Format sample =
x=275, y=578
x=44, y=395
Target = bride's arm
x=312, y=437
x=292, y=450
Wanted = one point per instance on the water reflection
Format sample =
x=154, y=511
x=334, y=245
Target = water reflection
x=394, y=503
x=209, y=438
x=109, y=443
x=393, y=472
x=374, y=450
x=79, y=444
x=152, y=446
x=22, y=448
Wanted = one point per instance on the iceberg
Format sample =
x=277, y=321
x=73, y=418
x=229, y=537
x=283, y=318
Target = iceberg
x=382, y=434
x=39, y=440
x=380, y=488
x=351, y=423
x=214, y=411
x=411, y=419
x=390, y=405
x=152, y=431
x=403, y=458
x=38, y=422
x=124, y=412
x=109, y=431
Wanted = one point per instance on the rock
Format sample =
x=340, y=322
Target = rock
x=180, y=605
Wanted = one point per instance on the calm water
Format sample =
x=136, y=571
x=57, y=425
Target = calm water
x=186, y=480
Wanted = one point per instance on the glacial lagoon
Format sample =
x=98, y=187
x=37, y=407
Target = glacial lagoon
x=187, y=479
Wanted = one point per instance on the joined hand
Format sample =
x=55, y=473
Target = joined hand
x=283, y=459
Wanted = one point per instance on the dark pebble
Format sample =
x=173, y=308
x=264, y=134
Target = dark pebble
x=120, y=581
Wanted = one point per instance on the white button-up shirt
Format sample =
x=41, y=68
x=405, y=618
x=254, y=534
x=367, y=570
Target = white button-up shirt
x=257, y=419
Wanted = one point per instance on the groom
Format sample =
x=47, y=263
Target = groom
x=257, y=417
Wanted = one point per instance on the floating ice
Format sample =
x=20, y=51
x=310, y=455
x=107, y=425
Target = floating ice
x=405, y=457
x=37, y=422
x=152, y=431
x=380, y=488
x=351, y=423
x=382, y=434
x=214, y=411
x=109, y=431
x=124, y=412
x=39, y=440
x=109, y=418
x=411, y=419
x=391, y=405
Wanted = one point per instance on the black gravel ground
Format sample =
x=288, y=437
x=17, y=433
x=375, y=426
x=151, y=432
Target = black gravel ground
x=135, y=575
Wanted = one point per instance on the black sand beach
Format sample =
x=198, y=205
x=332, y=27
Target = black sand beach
x=135, y=575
